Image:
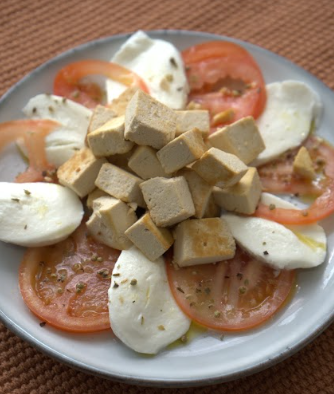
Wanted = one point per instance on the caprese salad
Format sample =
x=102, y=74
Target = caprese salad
x=151, y=201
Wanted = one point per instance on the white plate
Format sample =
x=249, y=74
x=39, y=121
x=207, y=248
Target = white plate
x=206, y=359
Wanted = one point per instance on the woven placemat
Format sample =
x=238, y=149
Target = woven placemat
x=32, y=32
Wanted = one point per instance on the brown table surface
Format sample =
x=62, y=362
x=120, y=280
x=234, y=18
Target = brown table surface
x=32, y=32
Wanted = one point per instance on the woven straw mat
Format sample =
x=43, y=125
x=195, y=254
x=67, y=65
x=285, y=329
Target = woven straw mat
x=31, y=32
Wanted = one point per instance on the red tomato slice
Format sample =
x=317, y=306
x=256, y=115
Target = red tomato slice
x=322, y=155
x=68, y=81
x=322, y=207
x=278, y=176
x=214, y=49
x=235, y=295
x=66, y=285
x=223, y=76
x=33, y=133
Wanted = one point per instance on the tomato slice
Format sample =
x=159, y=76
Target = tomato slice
x=278, y=176
x=283, y=180
x=214, y=49
x=68, y=81
x=224, y=77
x=33, y=133
x=233, y=295
x=66, y=285
x=322, y=207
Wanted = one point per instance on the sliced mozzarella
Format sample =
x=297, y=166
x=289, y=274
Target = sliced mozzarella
x=286, y=121
x=144, y=314
x=280, y=246
x=158, y=63
x=37, y=214
x=73, y=118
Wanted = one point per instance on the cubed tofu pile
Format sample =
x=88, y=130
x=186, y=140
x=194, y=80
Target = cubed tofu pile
x=143, y=154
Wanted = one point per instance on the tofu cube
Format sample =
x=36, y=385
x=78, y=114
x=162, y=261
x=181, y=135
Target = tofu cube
x=200, y=191
x=242, y=197
x=148, y=122
x=108, y=139
x=302, y=165
x=109, y=221
x=188, y=120
x=80, y=171
x=202, y=241
x=95, y=194
x=183, y=150
x=100, y=116
x=168, y=200
x=219, y=168
x=119, y=104
x=145, y=164
x=151, y=240
x=120, y=184
x=241, y=139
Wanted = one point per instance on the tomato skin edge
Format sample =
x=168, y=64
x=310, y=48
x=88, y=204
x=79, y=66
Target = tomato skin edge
x=322, y=208
x=33, y=132
x=65, y=266
x=67, y=80
x=289, y=280
x=36, y=305
x=231, y=53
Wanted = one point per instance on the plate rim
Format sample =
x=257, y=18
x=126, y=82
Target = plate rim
x=155, y=382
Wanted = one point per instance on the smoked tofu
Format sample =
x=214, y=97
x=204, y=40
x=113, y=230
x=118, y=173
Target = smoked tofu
x=219, y=168
x=151, y=240
x=202, y=241
x=145, y=164
x=182, y=151
x=100, y=116
x=241, y=139
x=148, y=122
x=108, y=139
x=95, y=194
x=302, y=165
x=80, y=171
x=120, y=184
x=119, y=104
x=109, y=221
x=168, y=200
x=242, y=197
x=188, y=120
x=200, y=191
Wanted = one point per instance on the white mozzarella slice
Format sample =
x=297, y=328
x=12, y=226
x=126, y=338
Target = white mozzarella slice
x=73, y=118
x=37, y=214
x=159, y=64
x=70, y=114
x=286, y=121
x=61, y=146
x=58, y=154
x=284, y=247
x=144, y=315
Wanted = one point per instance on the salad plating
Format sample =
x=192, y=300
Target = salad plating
x=323, y=205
